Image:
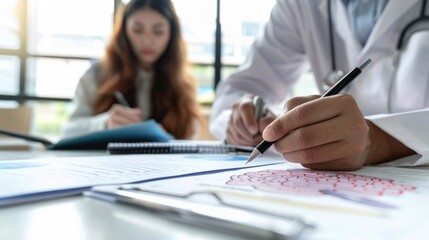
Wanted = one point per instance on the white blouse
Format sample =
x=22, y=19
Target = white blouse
x=83, y=119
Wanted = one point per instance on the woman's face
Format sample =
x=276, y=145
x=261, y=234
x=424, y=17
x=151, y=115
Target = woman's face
x=149, y=33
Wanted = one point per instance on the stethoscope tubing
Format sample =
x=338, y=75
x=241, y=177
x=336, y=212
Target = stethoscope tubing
x=403, y=38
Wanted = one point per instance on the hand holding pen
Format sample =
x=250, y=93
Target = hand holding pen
x=248, y=118
x=327, y=132
x=122, y=114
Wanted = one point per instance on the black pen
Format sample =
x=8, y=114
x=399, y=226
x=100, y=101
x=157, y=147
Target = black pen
x=349, y=77
x=121, y=99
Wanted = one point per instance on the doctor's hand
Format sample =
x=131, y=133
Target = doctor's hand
x=243, y=128
x=330, y=134
x=120, y=115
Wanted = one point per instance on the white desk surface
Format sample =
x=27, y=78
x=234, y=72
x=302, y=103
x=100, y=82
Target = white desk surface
x=81, y=217
x=86, y=218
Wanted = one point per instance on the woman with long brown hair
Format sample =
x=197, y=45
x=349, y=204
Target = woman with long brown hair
x=145, y=60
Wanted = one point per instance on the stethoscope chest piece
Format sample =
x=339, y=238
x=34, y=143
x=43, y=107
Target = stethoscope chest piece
x=332, y=79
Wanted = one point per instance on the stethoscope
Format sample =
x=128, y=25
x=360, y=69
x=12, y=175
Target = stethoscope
x=419, y=24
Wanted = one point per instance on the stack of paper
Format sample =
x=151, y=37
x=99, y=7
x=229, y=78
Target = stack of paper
x=29, y=180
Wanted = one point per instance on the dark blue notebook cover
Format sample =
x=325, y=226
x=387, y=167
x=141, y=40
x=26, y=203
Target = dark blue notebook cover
x=147, y=131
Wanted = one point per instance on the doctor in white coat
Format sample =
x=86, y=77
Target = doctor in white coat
x=382, y=116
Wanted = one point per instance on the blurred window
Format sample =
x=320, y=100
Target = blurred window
x=9, y=75
x=69, y=28
x=64, y=37
x=46, y=74
x=9, y=24
x=239, y=30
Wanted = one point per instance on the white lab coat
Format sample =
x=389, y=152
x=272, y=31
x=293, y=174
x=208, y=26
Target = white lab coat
x=297, y=39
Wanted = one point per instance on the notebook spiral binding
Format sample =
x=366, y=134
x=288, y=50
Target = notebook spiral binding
x=168, y=147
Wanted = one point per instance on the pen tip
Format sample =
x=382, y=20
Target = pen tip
x=253, y=155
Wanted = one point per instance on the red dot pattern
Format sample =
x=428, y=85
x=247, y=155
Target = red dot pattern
x=309, y=182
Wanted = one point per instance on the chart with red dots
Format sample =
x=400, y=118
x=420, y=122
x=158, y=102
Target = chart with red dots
x=309, y=182
x=385, y=201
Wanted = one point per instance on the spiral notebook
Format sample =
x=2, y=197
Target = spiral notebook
x=174, y=147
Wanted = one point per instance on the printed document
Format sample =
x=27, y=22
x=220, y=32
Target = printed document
x=376, y=202
x=26, y=180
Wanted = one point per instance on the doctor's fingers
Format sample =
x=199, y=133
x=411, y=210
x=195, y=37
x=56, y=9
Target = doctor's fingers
x=265, y=121
x=243, y=120
x=234, y=137
x=309, y=113
x=244, y=110
x=237, y=132
x=296, y=101
x=328, y=131
x=338, y=155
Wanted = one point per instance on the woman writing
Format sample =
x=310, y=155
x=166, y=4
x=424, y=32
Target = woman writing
x=145, y=60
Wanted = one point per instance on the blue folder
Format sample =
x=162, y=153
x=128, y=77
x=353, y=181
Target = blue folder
x=147, y=131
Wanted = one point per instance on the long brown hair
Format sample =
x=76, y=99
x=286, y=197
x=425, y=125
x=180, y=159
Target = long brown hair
x=173, y=92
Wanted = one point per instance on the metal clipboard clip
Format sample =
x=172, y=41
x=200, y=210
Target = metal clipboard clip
x=224, y=217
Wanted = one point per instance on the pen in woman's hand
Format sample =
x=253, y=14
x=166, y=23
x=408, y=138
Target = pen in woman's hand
x=349, y=77
x=121, y=99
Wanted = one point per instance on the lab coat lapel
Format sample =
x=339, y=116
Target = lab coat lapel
x=322, y=8
x=342, y=32
x=393, y=11
x=340, y=20
x=343, y=26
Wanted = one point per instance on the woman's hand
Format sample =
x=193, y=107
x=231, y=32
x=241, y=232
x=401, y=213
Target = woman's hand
x=120, y=115
x=243, y=128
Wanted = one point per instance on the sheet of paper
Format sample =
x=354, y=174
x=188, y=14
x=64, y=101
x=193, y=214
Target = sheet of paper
x=26, y=177
x=372, y=203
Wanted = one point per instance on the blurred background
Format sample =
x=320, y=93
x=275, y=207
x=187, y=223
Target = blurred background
x=47, y=45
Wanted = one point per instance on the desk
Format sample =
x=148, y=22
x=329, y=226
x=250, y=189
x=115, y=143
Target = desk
x=86, y=218
x=80, y=217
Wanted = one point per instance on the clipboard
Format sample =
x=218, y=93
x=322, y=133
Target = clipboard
x=224, y=217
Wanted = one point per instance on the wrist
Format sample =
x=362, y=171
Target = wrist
x=383, y=147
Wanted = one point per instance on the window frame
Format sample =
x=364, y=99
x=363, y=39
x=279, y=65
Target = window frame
x=23, y=55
